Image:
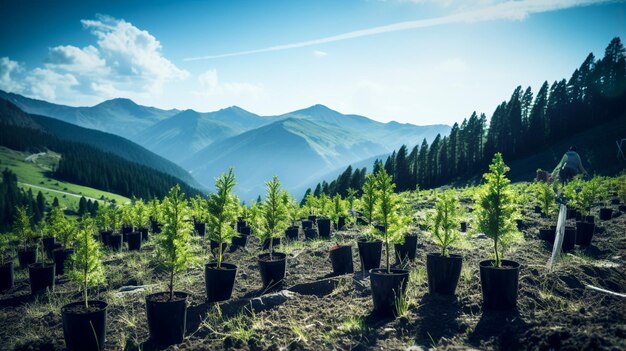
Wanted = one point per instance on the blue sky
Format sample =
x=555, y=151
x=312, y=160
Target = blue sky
x=417, y=61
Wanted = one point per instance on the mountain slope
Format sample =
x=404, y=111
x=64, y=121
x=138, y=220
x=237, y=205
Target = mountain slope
x=119, y=116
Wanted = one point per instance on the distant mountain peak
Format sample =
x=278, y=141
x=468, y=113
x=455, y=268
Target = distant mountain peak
x=123, y=102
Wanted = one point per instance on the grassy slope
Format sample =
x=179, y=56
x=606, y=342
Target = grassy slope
x=35, y=173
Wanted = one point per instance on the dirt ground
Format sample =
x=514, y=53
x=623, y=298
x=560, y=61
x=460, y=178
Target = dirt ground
x=319, y=312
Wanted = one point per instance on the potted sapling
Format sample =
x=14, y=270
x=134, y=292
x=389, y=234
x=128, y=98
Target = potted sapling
x=323, y=221
x=127, y=218
x=444, y=268
x=198, y=211
x=352, y=201
x=293, y=213
x=84, y=322
x=340, y=255
x=270, y=222
x=388, y=284
x=64, y=230
x=546, y=196
x=311, y=204
x=222, y=211
x=41, y=273
x=6, y=262
x=115, y=218
x=133, y=238
x=167, y=310
x=242, y=228
x=308, y=225
x=406, y=247
x=370, y=248
x=142, y=219
x=601, y=194
x=155, y=214
x=586, y=197
x=496, y=213
x=103, y=222
x=23, y=230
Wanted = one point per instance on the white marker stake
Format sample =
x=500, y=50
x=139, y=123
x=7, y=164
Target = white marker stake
x=558, y=237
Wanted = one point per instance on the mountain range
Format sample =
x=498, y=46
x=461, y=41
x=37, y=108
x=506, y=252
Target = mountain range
x=299, y=146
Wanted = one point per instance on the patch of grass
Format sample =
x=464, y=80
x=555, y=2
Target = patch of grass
x=300, y=332
x=353, y=325
x=401, y=304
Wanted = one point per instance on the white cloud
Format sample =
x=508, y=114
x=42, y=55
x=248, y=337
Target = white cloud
x=508, y=10
x=222, y=94
x=8, y=68
x=319, y=54
x=70, y=58
x=46, y=83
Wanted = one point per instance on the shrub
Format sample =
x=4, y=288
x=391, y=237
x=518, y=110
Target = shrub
x=311, y=204
x=61, y=227
x=172, y=244
x=369, y=198
x=87, y=268
x=445, y=227
x=22, y=227
x=141, y=217
x=546, y=197
x=497, y=208
x=338, y=208
x=270, y=216
x=222, y=211
x=294, y=212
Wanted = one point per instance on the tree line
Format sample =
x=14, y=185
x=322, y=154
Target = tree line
x=526, y=123
x=11, y=197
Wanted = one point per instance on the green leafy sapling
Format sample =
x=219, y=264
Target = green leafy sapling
x=388, y=212
x=199, y=209
x=352, y=200
x=270, y=220
x=294, y=212
x=222, y=210
x=445, y=226
x=5, y=247
x=22, y=227
x=497, y=209
x=621, y=188
x=324, y=204
x=172, y=243
x=103, y=218
x=141, y=215
x=338, y=208
x=127, y=215
x=154, y=210
x=311, y=204
x=87, y=268
x=546, y=197
x=369, y=198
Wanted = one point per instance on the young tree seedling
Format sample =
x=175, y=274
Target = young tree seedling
x=222, y=211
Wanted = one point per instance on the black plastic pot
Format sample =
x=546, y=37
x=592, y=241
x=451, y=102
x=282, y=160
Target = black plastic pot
x=341, y=222
x=240, y=224
x=215, y=245
x=134, y=241
x=115, y=242
x=584, y=233
x=313, y=219
x=125, y=231
x=407, y=250
x=144, y=233
x=60, y=257
x=341, y=259
x=463, y=227
x=443, y=273
x=26, y=257
x=310, y=233
x=292, y=233
x=266, y=243
x=272, y=271
x=41, y=277
x=537, y=209
x=546, y=234
x=606, y=214
x=219, y=282
x=104, y=236
x=167, y=320
x=323, y=227
x=519, y=224
x=156, y=226
x=387, y=288
x=579, y=216
x=370, y=253
x=380, y=228
x=48, y=245
x=571, y=213
x=84, y=330
x=307, y=224
x=622, y=208
x=589, y=219
x=615, y=201
x=499, y=285
x=6, y=276
x=245, y=230
x=240, y=240
x=54, y=247
x=200, y=228
x=569, y=239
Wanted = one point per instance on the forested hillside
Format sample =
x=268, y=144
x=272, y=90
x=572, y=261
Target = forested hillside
x=526, y=124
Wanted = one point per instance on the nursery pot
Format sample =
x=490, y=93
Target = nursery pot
x=341, y=222
x=219, y=282
x=310, y=233
x=292, y=233
x=463, y=227
x=125, y=231
x=571, y=213
x=240, y=224
x=26, y=257
x=6, y=276
x=167, y=319
x=215, y=245
x=266, y=243
x=156, y=227
x=546, y=234
x=272, y=270
x=584, y=233
x=387, y=288
x=240, y=240
x=41, y=277
x=134, y=241
x=589, y=219
x=537, y=209
x=84, y=329
x=622, y=208
x=569, y=239
x=407, y=250
x=245, y=230
x=307, y=224
x=323, y=226
x=341, y=259
x=443, y=273
x=104, y=236
x=60, y=256
x=200, y=228
x=313, y=218
x=606, y=214
x=370, y=252
x=499, y=285
x=615, y=201
x=115, y=242
x=144, y=233
x=48, y=244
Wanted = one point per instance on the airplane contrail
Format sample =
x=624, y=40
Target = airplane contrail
x=511, y=10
